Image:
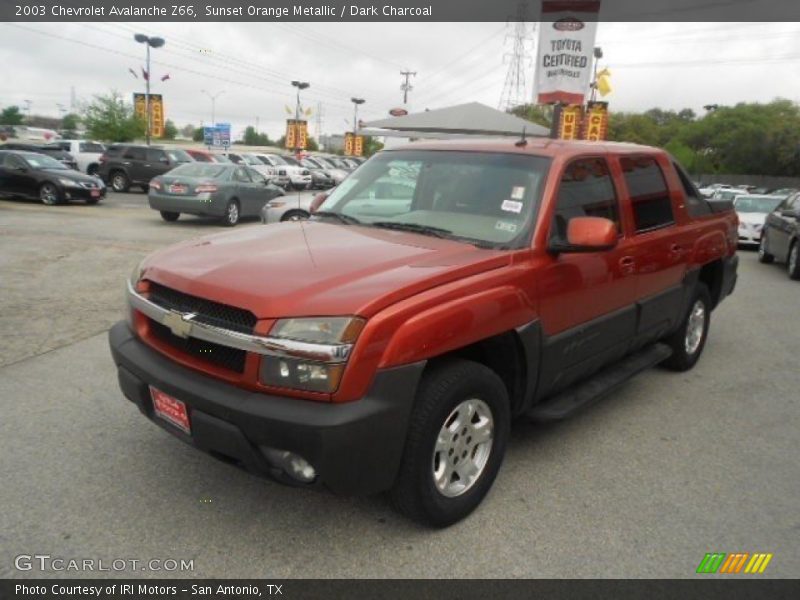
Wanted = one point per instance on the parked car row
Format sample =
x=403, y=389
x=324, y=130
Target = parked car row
x=780, y=237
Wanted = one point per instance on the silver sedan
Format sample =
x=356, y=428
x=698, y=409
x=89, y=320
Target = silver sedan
x=228, y=191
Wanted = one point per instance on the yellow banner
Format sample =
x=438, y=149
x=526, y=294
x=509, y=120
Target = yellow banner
x=156, y=112
x=296, y=134
x=595, y=127
x=353, y=144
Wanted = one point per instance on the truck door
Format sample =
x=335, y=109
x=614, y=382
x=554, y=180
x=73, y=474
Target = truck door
x=661, y=248
x=587, y=300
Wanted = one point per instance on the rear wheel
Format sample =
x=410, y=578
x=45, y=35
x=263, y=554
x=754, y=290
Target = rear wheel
x=231, y=217
x=688, y=341
x=49, y=194
x=170, y=216
x=120, y=182
x=793, y=264
x=764, y=256
x=457, y=437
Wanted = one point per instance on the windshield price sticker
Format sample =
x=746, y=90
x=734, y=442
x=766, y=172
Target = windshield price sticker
x=517, y=192
x=511, y=206
x=506, y=226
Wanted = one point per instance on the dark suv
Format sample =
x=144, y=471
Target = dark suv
x=51, y=150
x=124, y=165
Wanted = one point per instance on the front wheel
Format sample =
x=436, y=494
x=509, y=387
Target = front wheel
x=764, y=256
x=231, y=217
x=457, y=437
x=170, y=216
x=295, y=215
x=793, y=264
x=688, y=341
x=49, y=194
x=120, y=182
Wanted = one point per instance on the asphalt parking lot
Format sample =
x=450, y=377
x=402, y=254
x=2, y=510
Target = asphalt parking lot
x=642, y=484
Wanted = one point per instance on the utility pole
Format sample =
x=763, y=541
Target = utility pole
x=300, y=85
x=406, y=86
x=598, y=54
x=318, y=128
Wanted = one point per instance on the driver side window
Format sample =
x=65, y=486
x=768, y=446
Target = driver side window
x=586, y=190
x=14, y=162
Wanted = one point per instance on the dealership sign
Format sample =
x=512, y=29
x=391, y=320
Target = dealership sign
x=566, y=45
x=218, y=135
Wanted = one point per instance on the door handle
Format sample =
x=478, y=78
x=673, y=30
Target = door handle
x=627, y=265
x=675, y=251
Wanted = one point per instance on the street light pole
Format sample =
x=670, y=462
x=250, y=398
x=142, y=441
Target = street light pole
x=149, y=42
x=213, y=104
x=300, y=85
x=356, y=102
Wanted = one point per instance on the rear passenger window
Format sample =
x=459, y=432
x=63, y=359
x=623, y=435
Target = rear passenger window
x=586, y=190
x=135, y=154
x=650, y=200
x=154, y=155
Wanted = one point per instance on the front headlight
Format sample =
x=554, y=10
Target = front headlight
x=319, y=333
x=68, y=182
x=322, y=330
x=136, y=274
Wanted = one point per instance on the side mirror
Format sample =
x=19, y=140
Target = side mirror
x=164, y=160
x=789, y=213
x=587, y=234
x=317, y=202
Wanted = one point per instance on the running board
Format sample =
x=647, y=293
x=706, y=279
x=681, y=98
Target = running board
x=563, y=404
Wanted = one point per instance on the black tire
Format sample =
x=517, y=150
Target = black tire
x=49, y=194
x=764, y=256
x=119, y=181
x=685, y=354
x=793, y=261
x=232, y=214
x=295, y=215
x=443, y=388
x=93, y=200
x=92, y=170
x=170, y=216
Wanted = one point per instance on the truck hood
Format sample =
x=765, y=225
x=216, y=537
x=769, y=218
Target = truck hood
x=313, y=268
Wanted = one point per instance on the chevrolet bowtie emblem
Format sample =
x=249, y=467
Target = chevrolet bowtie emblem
x=179, y=323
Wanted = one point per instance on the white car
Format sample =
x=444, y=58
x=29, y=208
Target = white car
x=299, y=176
x=752, y=211
x=85, y=152
x=293, y=207
x=253, y=161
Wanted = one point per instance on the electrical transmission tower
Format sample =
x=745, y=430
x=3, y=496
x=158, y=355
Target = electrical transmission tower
x=318, y=132
x=515, y=89
x=406, y=86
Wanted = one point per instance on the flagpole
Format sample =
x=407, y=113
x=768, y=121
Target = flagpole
x=147, y=99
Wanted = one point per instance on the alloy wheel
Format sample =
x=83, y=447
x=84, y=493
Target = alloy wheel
x=463, y=447
x=48, y=194
x=695, y=327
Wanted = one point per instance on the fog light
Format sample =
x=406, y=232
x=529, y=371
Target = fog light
x=292, y=464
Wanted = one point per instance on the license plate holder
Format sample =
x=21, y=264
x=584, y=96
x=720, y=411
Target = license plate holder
x=94, y=193
x=170, y=409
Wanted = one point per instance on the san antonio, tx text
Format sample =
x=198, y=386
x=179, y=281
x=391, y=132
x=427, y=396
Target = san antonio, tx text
x=139, y=590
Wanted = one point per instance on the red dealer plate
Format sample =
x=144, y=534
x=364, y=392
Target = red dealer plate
x=94, y=193
x=170, y=409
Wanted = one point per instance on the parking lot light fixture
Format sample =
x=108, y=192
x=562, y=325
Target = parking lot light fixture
x=300, y=85
x=149, y=42
x=213, y=103
x=356, y=102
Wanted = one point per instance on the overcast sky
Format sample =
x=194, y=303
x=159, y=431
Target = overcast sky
x=669, y=65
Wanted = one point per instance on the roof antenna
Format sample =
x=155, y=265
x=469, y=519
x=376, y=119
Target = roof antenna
x=522, y=142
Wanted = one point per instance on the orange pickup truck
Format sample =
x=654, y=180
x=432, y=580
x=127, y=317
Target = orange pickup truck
x=439, y=292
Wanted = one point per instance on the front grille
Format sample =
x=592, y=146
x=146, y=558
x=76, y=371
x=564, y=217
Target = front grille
x=89, y=184
x=222, y=356
x=206, y=311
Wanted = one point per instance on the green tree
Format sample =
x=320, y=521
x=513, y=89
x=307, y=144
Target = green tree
x=11, y=115
x=170, y=131
x=108, y=118
x=541, y=114
x=253, y=138
x=70, y=122
x=371, y=146
x=198, y=135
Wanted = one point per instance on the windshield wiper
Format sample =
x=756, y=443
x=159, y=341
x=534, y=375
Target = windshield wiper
x=346, y=219
x=414, y=227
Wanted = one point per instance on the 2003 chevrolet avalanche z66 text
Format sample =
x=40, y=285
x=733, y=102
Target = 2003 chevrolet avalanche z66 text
x=440, y=291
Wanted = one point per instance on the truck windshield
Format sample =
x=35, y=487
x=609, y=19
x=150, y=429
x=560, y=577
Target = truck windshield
x=484, y=198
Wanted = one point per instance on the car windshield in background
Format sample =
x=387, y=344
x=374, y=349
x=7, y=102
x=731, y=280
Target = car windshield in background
x=198, y=169
x=253, y=161
x=179, y=156
x=488, y=198
x=324, y=163
x=277, y=160
x=728, y=194
x=40, y=161
x=291, y=161
x=756, y=204
x=91, y=147
x=309, y=164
